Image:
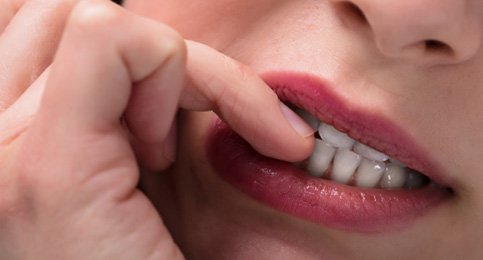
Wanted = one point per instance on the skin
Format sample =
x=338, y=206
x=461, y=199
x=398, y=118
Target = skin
x=71, y=169
x=378, y=63
x=75, y=196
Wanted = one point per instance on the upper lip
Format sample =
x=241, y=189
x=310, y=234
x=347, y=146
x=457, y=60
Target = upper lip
x=285, y=187
x=319, y=98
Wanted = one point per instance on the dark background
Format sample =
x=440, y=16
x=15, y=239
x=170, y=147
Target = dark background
x=117, y=1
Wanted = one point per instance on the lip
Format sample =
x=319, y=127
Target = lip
x=283, y=186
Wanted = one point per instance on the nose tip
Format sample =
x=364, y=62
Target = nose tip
x=426, y=32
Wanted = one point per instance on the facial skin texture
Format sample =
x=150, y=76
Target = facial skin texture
x=380, y=61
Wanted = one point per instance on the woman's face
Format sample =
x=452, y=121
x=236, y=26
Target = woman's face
x=401, y=76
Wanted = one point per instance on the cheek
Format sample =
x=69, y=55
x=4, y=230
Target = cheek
x=188, y=17
x=213, y=22
x=155, y=9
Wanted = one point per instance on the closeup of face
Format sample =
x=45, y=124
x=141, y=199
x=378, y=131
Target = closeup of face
x=402, y=77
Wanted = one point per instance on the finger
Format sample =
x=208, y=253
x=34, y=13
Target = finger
x=151, y=110
x=8, y=11
x=28, y=44
x=238, y=95
x=148, y=154
x=154, y=100
x=16, y=119
x=104, y=53
x=77, y=146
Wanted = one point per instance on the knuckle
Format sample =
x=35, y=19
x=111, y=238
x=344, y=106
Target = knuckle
x=174, y=41
x=152, y=47
x=171, y=42
x=93, y=16
x=176, y=50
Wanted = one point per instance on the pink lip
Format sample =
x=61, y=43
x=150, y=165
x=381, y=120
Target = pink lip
x=283, y=186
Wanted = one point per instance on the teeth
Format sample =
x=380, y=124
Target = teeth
x=345, y=163
x=321, y=158
x=369, y=153
x=394, y=177
x=351, y=162
x=369, y=173
x=334, y=137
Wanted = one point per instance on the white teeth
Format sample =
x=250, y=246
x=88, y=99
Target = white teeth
x=334, y=137
x=354, y=163
x=321, y=158
x=308, y=118
x=345, y=163
x=369, y=173
x=394, y=177
x=369, y=153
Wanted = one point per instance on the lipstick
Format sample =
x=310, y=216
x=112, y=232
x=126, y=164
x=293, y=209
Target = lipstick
x=287, y=188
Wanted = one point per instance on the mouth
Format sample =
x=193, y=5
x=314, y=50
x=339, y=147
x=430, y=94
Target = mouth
x=366, y=174
x=340, y=158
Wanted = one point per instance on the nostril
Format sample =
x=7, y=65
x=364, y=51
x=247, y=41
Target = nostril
x=357, y=12
x=353, y=11
x=435, y=46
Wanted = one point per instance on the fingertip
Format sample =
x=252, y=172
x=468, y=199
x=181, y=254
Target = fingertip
x=302, y=147
x=297, y=123
x=300, y=150
x=306, y=148
x=94, y=14
x=246, y=103
x=286, y=149
x=292, y=142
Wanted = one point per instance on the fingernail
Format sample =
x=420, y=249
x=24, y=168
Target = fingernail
x=297, y=123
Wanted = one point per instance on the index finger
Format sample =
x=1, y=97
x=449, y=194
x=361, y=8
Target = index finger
x=246, y=103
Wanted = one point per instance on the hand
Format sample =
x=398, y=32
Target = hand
x=69, y=169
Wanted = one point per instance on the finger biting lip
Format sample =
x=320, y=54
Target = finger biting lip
x=287, y=188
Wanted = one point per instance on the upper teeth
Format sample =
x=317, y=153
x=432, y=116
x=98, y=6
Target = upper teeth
x=335, y=138
x=342, y=159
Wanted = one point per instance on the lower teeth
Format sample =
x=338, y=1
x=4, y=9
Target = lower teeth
x=347, y=167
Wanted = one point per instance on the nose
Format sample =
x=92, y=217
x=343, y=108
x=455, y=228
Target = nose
x=426, y=32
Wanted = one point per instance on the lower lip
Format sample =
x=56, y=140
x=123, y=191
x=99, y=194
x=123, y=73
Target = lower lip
x=289, y=189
